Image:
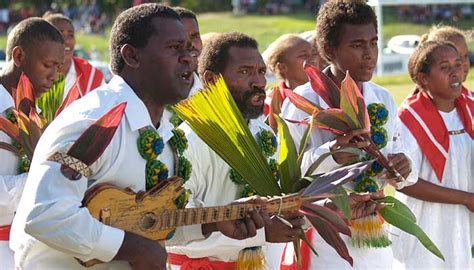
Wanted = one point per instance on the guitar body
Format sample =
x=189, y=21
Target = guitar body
x=134, y=212
x=154, y=215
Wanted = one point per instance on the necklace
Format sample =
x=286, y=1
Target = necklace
x=368, y=231
x=150, y=145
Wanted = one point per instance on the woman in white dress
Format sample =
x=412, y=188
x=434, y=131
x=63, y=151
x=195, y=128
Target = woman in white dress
x=436, y=125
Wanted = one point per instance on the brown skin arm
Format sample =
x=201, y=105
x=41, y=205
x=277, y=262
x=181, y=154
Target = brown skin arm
x=142, y=253
x=426, y=191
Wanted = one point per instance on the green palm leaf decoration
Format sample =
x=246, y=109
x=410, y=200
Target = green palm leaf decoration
x=216, y=119
x=50, y=101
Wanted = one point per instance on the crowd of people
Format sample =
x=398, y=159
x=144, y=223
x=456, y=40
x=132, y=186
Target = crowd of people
x=159, y=59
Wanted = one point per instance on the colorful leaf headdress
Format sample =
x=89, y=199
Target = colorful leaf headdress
x=216, y=119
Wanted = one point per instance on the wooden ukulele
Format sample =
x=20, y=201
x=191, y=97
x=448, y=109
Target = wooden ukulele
x=153, y=214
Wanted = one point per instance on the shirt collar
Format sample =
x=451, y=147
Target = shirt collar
x=6, y=100
x=136, y=111
x=256, y=125
x=369, y=93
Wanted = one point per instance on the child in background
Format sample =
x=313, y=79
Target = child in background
x=285, y=58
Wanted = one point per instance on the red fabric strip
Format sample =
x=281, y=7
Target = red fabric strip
x=5, y=233
x=187, y=263
x=422, y=104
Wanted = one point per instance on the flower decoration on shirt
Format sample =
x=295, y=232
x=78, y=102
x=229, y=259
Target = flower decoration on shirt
x=182, y=200
x=174, y=119
x=268, y=142
x=378, y=114
x=369, y=231
x=156, y=171
x=379, y=136
x=24, y=165
x=367, y=184
x=179, y=141
x=247, y=191
x=150, y=144
x=184, y=168
x=375, y=169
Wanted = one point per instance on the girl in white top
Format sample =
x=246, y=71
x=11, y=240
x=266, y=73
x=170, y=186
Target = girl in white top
x=436, y=125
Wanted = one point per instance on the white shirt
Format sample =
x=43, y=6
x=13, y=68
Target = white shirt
x=70, y=79
x=447, y=225
x=210, y=185
x=318, y=144
x=11, y=184
x=51, y=227
x=197, y=85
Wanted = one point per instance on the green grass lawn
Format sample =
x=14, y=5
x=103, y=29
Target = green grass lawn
x=401, y=85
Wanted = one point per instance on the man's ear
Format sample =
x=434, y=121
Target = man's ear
x=209, y=77
x=18, y=56
x=129, y=56
x=329, y=51
x=421, y=79
x=281, y=68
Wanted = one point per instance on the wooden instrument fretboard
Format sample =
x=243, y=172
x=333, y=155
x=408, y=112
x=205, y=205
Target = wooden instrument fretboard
x=189, y=216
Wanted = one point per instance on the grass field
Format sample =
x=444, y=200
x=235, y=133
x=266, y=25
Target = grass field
x=267, y=28
x=401, y=85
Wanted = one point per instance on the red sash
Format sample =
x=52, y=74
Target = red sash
x=5, y=233
x=268, y=100
x=187, y=263
x=422, y=118
x=466, y=92
x=89, y=77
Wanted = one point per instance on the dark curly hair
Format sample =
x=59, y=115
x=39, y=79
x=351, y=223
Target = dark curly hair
x=134, y=27
x=334, y=14
x=31, y=32
x=422, y=58
x=185, y=13
x=214, y=55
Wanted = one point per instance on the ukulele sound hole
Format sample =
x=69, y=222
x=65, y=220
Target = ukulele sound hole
x=148, y=221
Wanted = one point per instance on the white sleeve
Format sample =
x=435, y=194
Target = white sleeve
x=11, y=188
x=313, y=154
x=218, y=244
x=404, y=142
x=198, y=185
x=57, y=217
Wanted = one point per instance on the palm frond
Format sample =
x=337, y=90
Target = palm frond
x=50, y=101
x=216, y=119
